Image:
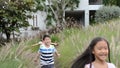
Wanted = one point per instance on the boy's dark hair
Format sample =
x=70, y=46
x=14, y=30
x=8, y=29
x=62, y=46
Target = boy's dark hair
x=45, y=37
x=87, y=57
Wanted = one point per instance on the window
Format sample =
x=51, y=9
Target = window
x=35, y=23
x=95, y=2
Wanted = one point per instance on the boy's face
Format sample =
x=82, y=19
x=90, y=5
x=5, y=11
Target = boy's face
x=47, y=41
x=100, y=51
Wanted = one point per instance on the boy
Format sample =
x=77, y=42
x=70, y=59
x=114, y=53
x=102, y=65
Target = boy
x=46, y=53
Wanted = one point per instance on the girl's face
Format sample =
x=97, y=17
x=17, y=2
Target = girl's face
x=100, y=51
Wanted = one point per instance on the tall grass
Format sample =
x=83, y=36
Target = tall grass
x=72, y=42
x=17, y=55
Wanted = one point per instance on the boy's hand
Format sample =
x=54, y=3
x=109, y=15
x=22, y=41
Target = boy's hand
x=33, y=45
x=56, y=44
x=58, y=55
x=35, y=60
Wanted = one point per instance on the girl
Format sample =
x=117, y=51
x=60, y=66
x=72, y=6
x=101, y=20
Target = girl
x=95, y=55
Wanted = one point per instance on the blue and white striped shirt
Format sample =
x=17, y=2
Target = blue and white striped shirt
x=46, y=54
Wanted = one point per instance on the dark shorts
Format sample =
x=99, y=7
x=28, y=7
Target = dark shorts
x=48, y=66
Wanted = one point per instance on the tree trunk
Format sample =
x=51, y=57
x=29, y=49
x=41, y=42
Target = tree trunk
x=7, y=33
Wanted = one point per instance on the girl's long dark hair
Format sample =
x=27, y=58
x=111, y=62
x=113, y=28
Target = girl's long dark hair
x=87, y=57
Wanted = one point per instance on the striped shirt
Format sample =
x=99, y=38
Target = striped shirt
x=46, y=54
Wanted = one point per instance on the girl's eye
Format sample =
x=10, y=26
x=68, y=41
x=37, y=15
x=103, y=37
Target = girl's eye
x=106, y=48
x=99, y=48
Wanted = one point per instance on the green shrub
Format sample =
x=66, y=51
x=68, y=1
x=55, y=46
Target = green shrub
x=55, y=38
x=106, y=13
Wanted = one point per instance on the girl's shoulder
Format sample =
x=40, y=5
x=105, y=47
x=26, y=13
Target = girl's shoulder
x=88, y=66
x=111, y=65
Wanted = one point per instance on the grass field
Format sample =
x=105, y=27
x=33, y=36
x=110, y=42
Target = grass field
x=72, y=42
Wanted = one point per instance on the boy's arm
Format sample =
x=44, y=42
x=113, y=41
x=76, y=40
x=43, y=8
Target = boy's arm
x=55, y=44
x=37, y=56
x=57, y=54
x=37, y=44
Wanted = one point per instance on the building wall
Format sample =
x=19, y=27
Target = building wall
x=83, y=5
x=39, y=20
x=86, y=6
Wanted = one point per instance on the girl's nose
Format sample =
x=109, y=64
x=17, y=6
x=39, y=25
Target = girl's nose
x=103, y=50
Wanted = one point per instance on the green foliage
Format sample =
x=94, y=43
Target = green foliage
x=107, y=13
x=55, y=9
x=111, y=2
x=14, y=15
x=55, y=38
x=118, y=3
x=9, y=64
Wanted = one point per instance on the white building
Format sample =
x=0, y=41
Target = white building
x=85, y=11
x=88, y=6
x=82, y=14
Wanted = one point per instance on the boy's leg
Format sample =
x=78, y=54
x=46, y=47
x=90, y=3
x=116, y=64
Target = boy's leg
x=44, y=66
x=51, y=66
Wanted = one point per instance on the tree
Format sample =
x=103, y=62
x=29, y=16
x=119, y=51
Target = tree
x=14, y=15
x=118, y=3
x=55, y=9
x=112, y=2
x=109, y=2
